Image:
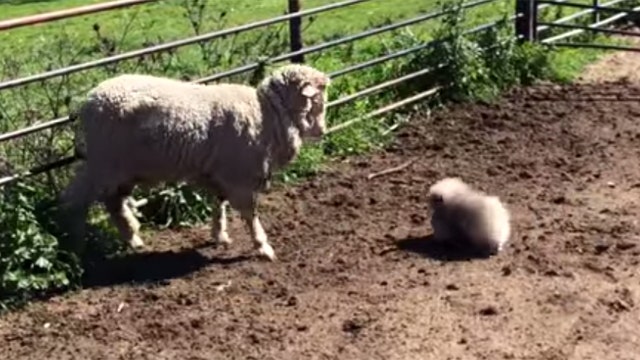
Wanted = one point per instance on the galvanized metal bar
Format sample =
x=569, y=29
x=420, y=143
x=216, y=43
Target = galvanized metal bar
x=594, y=29
x=381, y=86
x=544, y=6
x=568, y=34
x=337, y=42
x=578, y=14
x=604, y=7
x=38, y=170
x=170, y=45
x=597, y=46
x=385, y=109
x=401, y=53
x=68, y=13
x=34, y=128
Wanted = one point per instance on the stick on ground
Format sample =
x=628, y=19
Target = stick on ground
x=391, y=170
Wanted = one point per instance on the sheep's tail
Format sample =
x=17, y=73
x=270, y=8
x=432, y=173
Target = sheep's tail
x=79, y=148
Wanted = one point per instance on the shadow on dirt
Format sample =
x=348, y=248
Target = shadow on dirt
x=149, y=267
x=428, y=247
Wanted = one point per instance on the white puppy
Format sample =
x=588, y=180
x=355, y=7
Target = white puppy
x=464, y=216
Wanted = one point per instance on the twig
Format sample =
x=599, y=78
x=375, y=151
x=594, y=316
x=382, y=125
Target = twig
x=221, y=287
x=391, y=170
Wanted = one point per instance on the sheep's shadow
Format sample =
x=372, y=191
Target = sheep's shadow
x=148, y=267
x=429, y=247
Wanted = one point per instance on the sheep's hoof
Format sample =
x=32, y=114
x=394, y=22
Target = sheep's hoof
x=267, y=251
x=222, y=239
x=136, y=242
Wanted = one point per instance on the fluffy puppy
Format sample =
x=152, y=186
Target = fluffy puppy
x=467, y=218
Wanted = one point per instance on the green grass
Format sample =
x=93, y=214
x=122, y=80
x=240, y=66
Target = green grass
x=166, y=20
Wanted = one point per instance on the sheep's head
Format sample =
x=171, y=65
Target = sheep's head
x=303, y=91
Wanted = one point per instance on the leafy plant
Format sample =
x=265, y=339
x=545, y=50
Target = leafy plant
x=31, y=264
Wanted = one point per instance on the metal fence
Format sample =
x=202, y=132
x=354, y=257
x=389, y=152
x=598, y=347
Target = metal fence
x=592, y=17
x=528, y=26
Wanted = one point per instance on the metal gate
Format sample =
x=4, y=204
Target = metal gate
x=546, y=22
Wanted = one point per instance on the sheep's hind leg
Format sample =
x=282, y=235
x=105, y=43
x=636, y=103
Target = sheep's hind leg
x=75, y=201
x=219, y=223
x=122, y=216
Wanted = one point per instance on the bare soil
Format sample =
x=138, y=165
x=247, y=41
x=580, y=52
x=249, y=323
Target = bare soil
x=359, y=278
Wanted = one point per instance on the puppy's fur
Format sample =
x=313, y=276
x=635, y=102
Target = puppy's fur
x=468, y=218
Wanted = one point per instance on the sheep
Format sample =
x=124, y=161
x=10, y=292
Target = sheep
x=462, y=215
x=225, y=138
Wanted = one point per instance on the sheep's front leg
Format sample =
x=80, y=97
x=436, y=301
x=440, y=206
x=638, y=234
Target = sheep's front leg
x=258, y=234
x=245, y=201
x=219, y=224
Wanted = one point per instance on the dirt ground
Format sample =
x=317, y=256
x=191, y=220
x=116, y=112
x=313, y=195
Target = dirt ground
x=358, y=277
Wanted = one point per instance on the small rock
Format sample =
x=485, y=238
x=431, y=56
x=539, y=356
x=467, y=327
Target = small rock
x=525, y=175
x=452, y=287
x=506, y=271
x=489, y=311
x=625, y=245
x=352, y=326
x=600, y=248
x=551, y=272
x=611, y=184
x=196, y=323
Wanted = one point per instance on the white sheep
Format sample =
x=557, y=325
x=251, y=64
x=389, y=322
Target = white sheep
x=225, y=138
x=463, y=215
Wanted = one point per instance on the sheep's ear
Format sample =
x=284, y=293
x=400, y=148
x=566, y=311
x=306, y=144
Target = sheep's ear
x=309, y=90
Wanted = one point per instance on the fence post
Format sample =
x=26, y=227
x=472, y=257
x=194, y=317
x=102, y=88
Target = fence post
x=527, y=23
x=295, y=31
x=596, y=13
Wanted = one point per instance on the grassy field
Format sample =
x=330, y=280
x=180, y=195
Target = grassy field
x=31, y=50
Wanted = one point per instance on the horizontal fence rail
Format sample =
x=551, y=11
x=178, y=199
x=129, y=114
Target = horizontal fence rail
x=69, y=13
x=616, y=14
x=573, y=16
x=337, y=42
x=598, y=26
x=171, y=45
